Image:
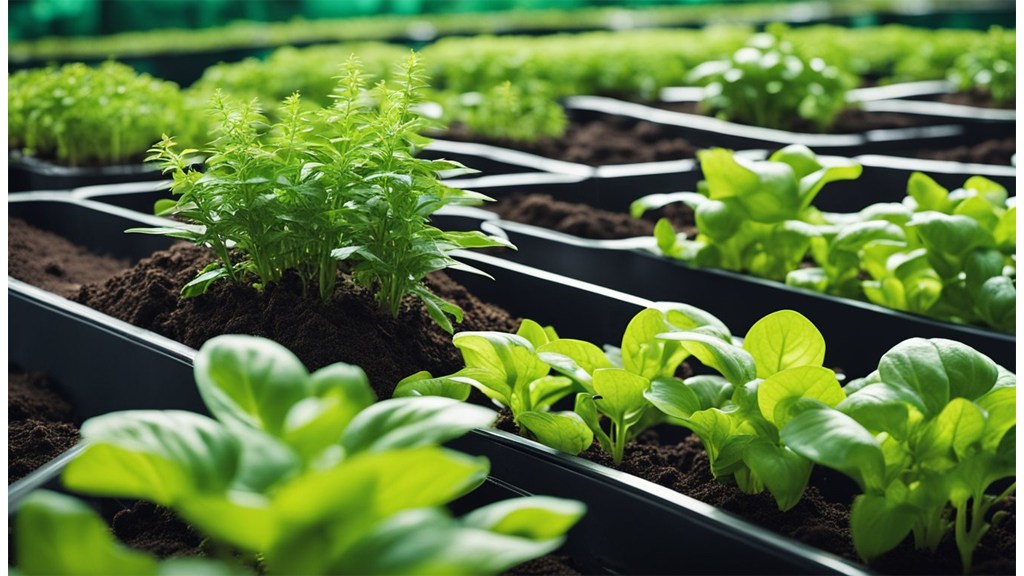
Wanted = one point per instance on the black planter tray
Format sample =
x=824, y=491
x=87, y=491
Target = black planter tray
x=632, y=525
x=884, y=180
x=858, y=333
x=490, y=159
x=27, y=173
x=706, y=131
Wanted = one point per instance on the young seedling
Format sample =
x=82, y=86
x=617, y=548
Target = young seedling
x=989, y=65
x=934, y=426
x=337, y=184
x=303, y=473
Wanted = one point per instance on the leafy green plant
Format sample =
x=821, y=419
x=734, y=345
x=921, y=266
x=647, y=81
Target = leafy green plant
x=949, y=255
x=304, y=473
x=753, y=217
x=507, y=111
x=933, y=427
x=990, y=65
x=768, y=84
x=82, y=115
x=337, y=184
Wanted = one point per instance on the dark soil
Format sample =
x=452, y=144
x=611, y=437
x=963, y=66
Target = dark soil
x=351, y=328
x=612, y=140
x=552, y=565
x=821, y=519
x=156, y=530
x=585, y=221
x=53, y=263
x=848, y=121
x=996, y=151
x=40, y=424
x=977, y=98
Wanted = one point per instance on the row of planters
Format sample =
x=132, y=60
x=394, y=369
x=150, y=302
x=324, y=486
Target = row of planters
x=97, y=125
x=326, y=234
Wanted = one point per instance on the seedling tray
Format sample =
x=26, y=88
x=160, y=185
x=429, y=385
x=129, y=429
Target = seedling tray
x=857, y=333
x=27, y=173
x=706, y=131
x=632, y=525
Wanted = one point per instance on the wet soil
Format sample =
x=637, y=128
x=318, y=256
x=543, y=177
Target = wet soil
x=977, y=98
x=350, y=328
x=611, y=140
x=997, y=151
x=585, y=221
x=52, y=262
x=40, y=423
x=552, y=565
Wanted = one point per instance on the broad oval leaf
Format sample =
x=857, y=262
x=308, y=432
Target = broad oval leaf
x=412, y=422
x=834, y=440
x=775, y=395
x=564, y=431
x=784, y=339
x=734, y=363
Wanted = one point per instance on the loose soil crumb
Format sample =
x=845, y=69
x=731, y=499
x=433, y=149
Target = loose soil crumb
x=40, y=424
x=351, y=328
x=552, y=565
x=585, y=221
x=821, y=519
x=52, y=262
x=611, y=140
x=156, y=530
x=997, y=151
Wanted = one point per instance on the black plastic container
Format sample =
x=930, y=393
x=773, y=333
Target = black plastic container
x=26, y=173
x=705, y=131
x=857, y=333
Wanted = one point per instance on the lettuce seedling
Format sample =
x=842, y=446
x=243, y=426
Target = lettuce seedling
x=510, y=370
x=989, y=65
x=336, y=184
x=56, y=534
x=306, y=473
x=772, y=375
x=934, y=426
x=768, y=84
x=753, y=217
x=81, y=115
x=949, y=255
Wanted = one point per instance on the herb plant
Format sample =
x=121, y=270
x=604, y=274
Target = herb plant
x=508, y=111
x=303, y=473
x=81, y=115
x=927, y=437
x=990, y=65
x=336, y=184
x=768, y=84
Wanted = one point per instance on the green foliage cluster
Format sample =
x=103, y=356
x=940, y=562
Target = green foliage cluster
x=767, y=84
x=989, y=65
x=336, y=184
x=507, y=111
x=296, y=473
x=926, y=435
x=311, y=71
x=947, y=255
x=244, y=34
x=82, y=115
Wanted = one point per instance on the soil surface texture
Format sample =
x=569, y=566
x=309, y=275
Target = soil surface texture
x=848, y=121
x=52, y=262
x=585, y=221
x=996, y=151
x=611, y=140
x=822, y=517
x=157, y=530
x=351, y=328
x=40, y=424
